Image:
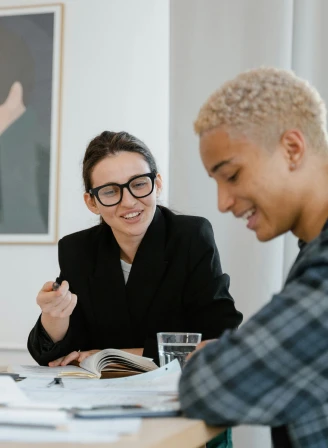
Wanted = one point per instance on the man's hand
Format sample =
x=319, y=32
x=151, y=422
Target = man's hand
x=199, y=347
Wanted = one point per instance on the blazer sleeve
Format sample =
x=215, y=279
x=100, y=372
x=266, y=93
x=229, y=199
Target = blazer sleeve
x=41, y=346
x=209, y=307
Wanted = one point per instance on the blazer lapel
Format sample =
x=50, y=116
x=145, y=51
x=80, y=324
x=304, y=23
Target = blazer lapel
x=148, y=268
x=108, y=287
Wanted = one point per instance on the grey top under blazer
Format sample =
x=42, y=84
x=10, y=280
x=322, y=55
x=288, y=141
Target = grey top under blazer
x=175, y=284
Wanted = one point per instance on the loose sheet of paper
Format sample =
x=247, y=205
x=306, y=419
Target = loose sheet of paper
x=10, y=392
x=79, y=431
x=48, y=436
x=32, y=417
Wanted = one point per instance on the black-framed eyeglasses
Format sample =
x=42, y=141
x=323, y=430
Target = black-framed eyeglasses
x=112, y=194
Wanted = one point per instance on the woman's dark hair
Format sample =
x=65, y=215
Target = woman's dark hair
x=111, y=143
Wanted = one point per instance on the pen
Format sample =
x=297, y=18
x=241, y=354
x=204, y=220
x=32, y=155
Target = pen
x=28, y=425
x=106, y=407
x=116, y=406
x=55, y=286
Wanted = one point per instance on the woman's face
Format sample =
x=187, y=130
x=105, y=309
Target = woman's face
x=131, y=216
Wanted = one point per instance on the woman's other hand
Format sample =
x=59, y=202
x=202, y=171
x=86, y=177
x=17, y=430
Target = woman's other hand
x=72, y=358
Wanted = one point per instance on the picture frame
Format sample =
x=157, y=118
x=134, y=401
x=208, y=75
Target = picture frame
x=31, y=54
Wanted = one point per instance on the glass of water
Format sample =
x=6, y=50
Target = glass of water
x=176, y=346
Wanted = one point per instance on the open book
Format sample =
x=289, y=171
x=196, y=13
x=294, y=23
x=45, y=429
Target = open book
x=110, y=363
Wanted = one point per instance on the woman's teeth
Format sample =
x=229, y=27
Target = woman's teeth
x=131, y=215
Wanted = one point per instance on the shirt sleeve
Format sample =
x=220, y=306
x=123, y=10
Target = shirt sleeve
x=41, y=346
x=275, y=367
x=43, y=349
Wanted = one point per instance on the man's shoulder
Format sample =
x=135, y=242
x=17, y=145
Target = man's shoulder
x=312, y=256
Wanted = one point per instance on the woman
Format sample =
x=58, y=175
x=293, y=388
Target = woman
x=141, y=271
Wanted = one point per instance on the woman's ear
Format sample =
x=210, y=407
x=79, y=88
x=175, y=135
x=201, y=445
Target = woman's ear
x=91, y=203
x=158, y=185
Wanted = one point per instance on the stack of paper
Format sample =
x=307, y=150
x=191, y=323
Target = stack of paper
x=148, y=389
x=43, y=408
x=44, y=422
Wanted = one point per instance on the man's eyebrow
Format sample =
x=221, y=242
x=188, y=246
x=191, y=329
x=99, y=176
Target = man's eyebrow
x=219, y=165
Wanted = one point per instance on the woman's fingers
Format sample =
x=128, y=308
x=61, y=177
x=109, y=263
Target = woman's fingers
x=70, y=358
x=73, y=356
x=56, y=362
x=65, y=360
x=84, y=355
x=60, y=303
x=47, y=287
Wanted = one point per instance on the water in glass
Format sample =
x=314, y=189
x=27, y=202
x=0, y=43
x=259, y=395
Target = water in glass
x=174, y=350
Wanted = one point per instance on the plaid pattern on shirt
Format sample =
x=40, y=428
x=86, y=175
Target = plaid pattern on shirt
x=274, y=369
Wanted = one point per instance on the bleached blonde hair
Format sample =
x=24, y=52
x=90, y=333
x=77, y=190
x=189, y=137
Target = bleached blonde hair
x=264, y=103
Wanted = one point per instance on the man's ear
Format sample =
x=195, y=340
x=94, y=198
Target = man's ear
x=294, y=146
x=91, y=203
x=158, y=185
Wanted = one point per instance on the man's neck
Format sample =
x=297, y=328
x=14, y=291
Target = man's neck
x=9, y=115
x=314, y=214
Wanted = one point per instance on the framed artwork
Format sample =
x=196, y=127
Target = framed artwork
x=31, y=41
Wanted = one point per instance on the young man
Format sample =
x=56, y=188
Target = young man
x=263, y=139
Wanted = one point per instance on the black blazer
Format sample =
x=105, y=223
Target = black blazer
x=175, y=284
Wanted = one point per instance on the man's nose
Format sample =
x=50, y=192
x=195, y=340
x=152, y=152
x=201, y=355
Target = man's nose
x=225, y=200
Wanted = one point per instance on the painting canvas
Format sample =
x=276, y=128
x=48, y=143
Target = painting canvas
x=30, y=84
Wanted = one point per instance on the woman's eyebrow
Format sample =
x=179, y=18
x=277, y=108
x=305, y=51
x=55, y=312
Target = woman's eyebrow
x=131, y=177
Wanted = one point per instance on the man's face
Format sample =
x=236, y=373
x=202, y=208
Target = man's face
x=253, y=182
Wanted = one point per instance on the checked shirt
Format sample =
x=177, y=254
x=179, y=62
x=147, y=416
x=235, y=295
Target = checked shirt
x=274, y=369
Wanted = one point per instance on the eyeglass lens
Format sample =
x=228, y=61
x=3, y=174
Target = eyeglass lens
x=139, y=187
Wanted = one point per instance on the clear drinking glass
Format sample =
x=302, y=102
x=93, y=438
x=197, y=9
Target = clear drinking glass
x=176, y=346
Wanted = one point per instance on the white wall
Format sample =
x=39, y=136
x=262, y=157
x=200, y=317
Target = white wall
x=212, y=41
x=115, y=76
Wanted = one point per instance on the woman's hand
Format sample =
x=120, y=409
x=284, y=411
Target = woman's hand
x=77, y=357
x=56, y=304
x=72, y=358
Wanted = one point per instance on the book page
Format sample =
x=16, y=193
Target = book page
x=101, y=360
